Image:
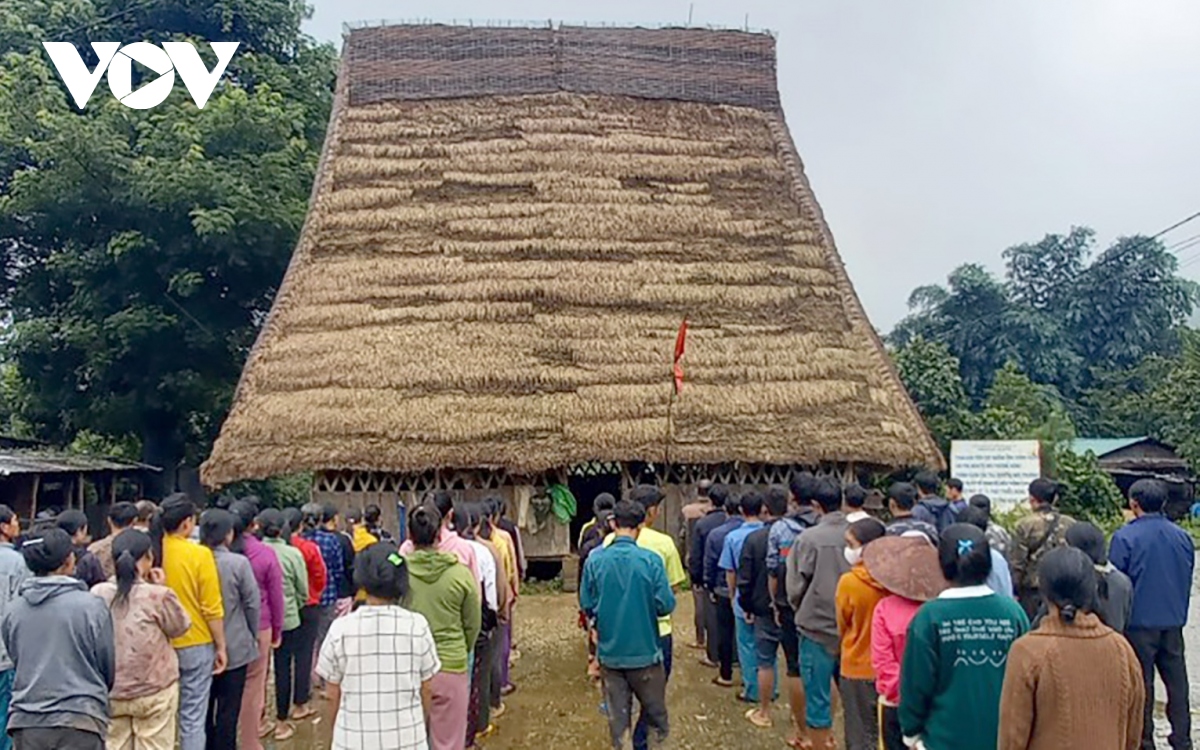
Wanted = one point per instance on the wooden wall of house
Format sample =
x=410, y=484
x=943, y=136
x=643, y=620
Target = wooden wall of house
x=551, y=540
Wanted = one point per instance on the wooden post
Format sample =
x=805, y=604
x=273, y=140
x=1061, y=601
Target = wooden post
x=37, y=486
x=79, y=491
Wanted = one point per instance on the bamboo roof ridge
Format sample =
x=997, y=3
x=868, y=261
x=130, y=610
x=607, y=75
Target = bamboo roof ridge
x=504, y=237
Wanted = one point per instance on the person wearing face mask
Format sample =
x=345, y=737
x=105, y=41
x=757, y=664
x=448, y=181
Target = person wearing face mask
x=857, y=595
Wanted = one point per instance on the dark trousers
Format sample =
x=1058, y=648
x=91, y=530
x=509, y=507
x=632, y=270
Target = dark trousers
x=641, y=733
x=890, y=736
x=649, y=686
x=56, y=739
x=700, y=617
x=860, y=713
x=293, y=664
x=710, y=629
x=725, y=636
x=224, y=709
x=1163, y=650
x=479, y=710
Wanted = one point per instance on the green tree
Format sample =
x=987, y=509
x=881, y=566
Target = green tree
x=1177, y=401
x=1087, y=491
x=1057, y=318
x=141, y=249
x=930, y=373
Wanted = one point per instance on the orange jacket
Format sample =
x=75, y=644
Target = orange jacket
x=857, y=595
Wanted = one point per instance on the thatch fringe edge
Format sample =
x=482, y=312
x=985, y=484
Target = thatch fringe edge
x=803, y=194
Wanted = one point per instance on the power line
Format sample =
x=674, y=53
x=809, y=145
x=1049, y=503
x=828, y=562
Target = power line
x=1188, y=241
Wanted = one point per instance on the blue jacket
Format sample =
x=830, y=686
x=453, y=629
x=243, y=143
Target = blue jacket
x=625, y=589
x=1158, y=557
x=700, y=533
x=714, y=577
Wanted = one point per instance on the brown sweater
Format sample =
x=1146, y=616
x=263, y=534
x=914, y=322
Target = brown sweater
x=1072, y=686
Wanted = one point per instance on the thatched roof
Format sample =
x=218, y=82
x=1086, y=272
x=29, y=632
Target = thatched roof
x=508, y=227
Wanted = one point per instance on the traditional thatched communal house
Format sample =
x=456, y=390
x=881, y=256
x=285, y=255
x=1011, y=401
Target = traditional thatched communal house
x=508, y=227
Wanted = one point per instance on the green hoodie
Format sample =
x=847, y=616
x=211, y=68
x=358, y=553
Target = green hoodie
x=444, y=591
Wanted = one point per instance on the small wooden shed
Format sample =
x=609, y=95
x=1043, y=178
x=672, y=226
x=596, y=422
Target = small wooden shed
x=1129, y=459
x=35, y=476
x=507, y=229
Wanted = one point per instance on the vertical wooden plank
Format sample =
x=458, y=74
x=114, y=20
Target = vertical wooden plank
x=37, y=488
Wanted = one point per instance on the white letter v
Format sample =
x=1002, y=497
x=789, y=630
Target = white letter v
x=80, y=82
x=196, y=78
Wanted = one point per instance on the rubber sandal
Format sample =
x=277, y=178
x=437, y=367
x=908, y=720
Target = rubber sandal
x=800, y=743
x=268, y=728
x=307, y=713
x=755, y=717
x=706, y=662
x=722, y=683
x=284, y=732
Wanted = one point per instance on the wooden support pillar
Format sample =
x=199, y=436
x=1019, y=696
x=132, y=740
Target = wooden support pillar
x=37, y=488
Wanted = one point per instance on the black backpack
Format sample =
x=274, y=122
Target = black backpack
x=943, y=516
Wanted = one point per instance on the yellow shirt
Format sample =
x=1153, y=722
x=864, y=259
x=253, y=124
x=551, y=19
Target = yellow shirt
x=508, y=558
x=191, y=572
x=664, y=546
x=583, y=532
x=362, y=539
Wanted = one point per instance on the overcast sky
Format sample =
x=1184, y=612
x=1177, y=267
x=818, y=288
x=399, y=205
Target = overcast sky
x=937, y=132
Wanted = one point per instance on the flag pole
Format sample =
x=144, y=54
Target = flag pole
x=676, y=387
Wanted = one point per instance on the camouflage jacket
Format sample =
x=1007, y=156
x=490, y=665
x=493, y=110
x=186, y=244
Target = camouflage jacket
x=1034, y=536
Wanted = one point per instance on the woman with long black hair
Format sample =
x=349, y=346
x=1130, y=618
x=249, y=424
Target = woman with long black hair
x=1073, y=682
x=144, y=702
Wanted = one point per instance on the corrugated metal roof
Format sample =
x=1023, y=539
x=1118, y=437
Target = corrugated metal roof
x=58, y=462
x=1103, y=446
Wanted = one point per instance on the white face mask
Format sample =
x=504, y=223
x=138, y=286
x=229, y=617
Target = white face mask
x=853, y=555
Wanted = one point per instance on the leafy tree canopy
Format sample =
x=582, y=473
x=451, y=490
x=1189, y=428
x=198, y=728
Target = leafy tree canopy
x=140, y=250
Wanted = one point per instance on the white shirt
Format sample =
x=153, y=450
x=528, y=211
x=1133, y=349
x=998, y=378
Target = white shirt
x=487, y=571
x=857, y=515
x=379, y=656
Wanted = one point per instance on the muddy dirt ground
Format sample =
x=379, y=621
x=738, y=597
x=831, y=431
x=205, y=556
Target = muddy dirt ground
x=557, y=707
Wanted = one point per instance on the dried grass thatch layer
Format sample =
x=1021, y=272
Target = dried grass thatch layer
x=497, y=282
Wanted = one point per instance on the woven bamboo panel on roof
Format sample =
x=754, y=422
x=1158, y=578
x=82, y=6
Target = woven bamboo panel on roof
x=438, y=62
x=496, y=282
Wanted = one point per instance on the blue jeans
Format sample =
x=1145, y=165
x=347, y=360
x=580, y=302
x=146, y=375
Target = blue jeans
x=195, y=686
x=817, y=670
x=747, y=654
x=6, y=684
x=641, y=732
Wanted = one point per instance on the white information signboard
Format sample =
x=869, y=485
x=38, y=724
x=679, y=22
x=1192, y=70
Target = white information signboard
x=1000, y=469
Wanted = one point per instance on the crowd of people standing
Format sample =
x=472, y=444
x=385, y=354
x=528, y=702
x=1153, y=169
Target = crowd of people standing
x=934, y=626
x=168, y=628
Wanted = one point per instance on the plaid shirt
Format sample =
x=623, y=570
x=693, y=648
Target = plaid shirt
x=379, y=656
x=331, y=554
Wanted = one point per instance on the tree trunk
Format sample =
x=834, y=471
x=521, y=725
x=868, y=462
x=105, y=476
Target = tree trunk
x=161, y=447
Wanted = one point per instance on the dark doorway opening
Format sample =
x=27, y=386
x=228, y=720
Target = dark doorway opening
x=585, y=488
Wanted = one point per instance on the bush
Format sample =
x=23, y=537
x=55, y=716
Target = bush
x=1088, y=493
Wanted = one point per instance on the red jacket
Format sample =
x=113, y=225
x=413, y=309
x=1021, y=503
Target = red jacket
x=316, y=568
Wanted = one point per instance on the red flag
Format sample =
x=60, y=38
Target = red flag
x=680, y=347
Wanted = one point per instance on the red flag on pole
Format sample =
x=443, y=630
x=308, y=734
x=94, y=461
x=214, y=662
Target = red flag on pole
x=680, y=346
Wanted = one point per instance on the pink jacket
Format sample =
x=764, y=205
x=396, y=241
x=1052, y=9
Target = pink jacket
x=451, y=543
x=889, y=628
